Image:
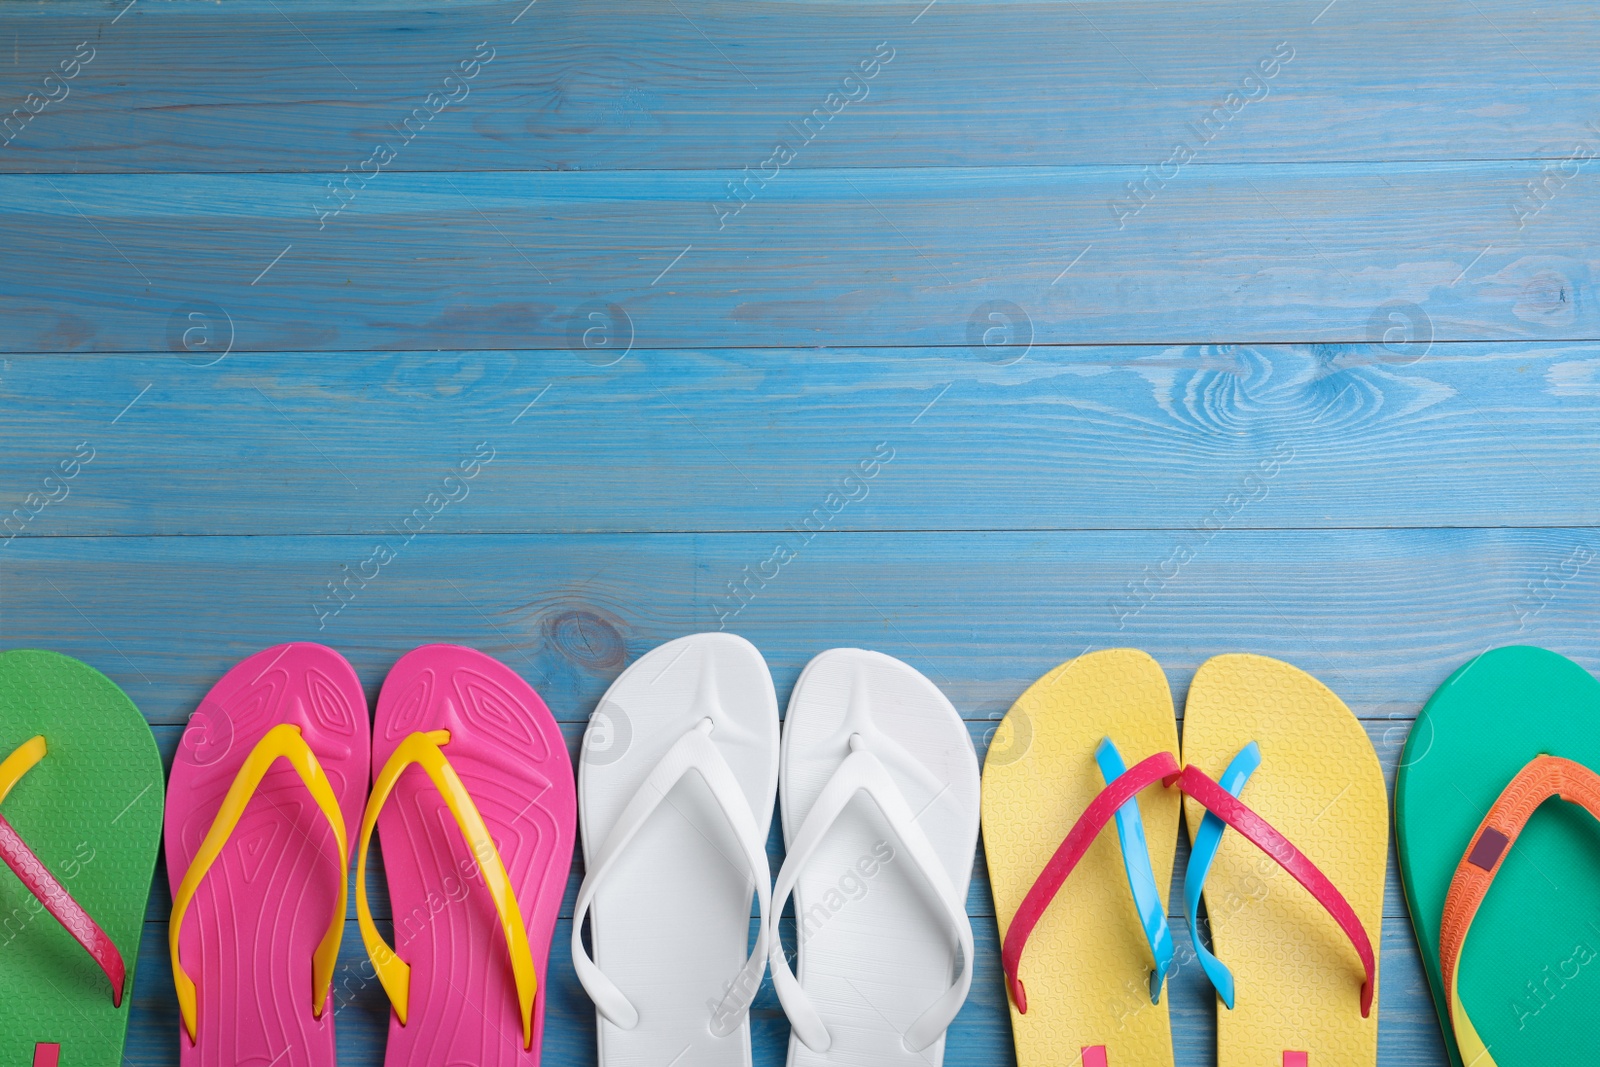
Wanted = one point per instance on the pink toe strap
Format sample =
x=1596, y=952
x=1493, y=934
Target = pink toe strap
x=1124, y=788
x=59, y=903
x=1225, y=806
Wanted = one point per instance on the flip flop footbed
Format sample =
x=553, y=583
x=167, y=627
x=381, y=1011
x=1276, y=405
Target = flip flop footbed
x=507, y=749
x=670, y=925
x=257, y=918
x=1530, y=970
x=875, y=947
x=1297, y=977
x=1087, y=962
x=90, y=810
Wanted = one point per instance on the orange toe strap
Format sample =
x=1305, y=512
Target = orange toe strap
x=1544, y=777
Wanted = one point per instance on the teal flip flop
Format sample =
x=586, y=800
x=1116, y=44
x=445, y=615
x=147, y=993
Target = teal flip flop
x=1485, y=847
x=80, y=819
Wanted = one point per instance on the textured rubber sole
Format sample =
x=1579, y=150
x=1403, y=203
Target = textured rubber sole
x=1320, y=784
x=90, y=810
x=507, y=748
x=255, y=921
x=1087, y=963
x=1530, y=971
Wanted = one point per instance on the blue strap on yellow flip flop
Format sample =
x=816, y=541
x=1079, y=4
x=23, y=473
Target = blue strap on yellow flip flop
x=1141, y=879
x=1206, y=842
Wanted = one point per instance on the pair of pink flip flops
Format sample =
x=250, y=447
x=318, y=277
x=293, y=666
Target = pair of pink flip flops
x=475, y=808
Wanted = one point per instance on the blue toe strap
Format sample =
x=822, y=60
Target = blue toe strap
x=1206, y=842
x=1141, y=879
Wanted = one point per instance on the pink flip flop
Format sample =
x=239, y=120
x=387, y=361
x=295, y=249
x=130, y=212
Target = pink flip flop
x=269, y=778
x=477, y=845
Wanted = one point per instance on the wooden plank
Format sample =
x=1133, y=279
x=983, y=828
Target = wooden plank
x=981, y=1035
x=1382, y=616
x=1411, y=253
x=1484, y=434
x=620, y=85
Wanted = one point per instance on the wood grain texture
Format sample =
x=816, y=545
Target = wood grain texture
x=649, y=85
x=1381, y=616
x=1477, y=434
x=870, y=257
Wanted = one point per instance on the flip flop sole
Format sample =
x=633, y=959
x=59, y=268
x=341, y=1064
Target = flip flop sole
x=507, y=749
x=873, y=950
x=1087, y=964
x=671, y=925
x=1530, y=970
x=90, y=810
x=256, y=919
x=1320, y=784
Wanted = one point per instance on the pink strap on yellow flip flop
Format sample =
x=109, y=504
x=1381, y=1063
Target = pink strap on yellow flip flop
x=1118, y=792
x=281, y=742
x=425, y=750
x=1544, y=777
x=1230, y=809
x=38, y=880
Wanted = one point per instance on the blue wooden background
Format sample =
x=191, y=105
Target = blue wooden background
x=1196, y=327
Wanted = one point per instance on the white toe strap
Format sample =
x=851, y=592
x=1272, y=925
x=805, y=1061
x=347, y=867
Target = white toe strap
x=691, y=752
x=862, y=772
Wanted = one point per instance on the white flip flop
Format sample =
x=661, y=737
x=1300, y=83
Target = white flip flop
x=676, y=782
x=880, y=819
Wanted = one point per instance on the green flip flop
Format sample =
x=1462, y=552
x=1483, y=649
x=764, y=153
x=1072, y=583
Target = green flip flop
x=1483, y=849
x=80, y=820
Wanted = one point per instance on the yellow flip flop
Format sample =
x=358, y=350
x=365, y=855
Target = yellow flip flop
x=1302, y=955
x=1087, y=990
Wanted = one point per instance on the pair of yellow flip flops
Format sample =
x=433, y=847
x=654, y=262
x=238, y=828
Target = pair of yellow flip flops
x=1086, y=950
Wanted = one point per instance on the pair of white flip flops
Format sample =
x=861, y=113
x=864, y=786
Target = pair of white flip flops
x=676, y=782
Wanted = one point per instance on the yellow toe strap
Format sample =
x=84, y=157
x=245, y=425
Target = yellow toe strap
x=281, y=742
x=426, y=752
x=20, y=762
